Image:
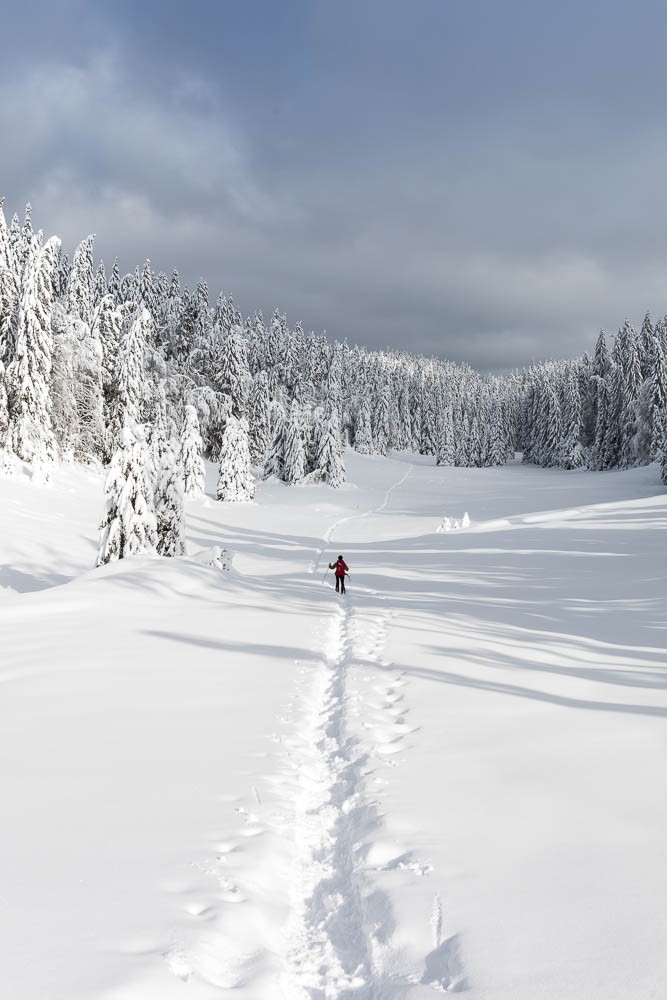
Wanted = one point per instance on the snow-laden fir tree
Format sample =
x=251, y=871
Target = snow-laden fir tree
x=597, y=457
x=29, y=374
x=329, y=462
x=235, y=481
x=294, y=468
x=652, y=407
x=113, y=286
x=496, y=442
x=100, y=288
x=363, y=435
x=259, y=418
x=169, y=511
x=274, y=462
x=4, y=412
x=446, y=453
x=571, y=454
x=129, y=525
x=232, y=377
x=131, y=369
x=81, y=283
x=193, y=470
x=9, y=291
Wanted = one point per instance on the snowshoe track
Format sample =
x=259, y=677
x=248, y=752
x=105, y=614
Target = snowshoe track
x=328, y=958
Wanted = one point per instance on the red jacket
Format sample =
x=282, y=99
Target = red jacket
x=340, y=566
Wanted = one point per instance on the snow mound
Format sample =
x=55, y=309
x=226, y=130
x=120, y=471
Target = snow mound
x=452, y=523
x=216, y=556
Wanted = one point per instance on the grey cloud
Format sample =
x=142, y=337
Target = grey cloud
x=494, y=247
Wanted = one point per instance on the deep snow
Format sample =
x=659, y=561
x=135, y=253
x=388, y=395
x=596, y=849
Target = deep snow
x=451, y=779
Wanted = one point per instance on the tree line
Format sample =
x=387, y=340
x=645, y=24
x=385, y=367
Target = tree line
x=144, y=375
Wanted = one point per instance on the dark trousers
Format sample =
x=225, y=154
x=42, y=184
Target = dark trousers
x=340, y=584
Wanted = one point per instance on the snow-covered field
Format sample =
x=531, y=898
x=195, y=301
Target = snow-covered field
x=453, y=778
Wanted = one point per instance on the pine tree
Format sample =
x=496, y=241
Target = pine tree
x=9, y=292
x=114, y=284
x=295, y=455
x=129, y=525
x=598, y=451
x=381, y=428
x=100, y=284
x=169, y=507
x=653, y=407
x=571, y=454
x=193, y=469
x=81, y=282
x=107, y=322
x=32, y=434
x=235, y=481
x=631, y=385
x=274, y=462
x=497, y=445
x=549, y=432
x=233, y=376
x=4, y=412
x=645, y=346
x=445, y=453
x=363, y=437
x=131, y=370
x=259, y=418
x=428, y=430
x=330, y=454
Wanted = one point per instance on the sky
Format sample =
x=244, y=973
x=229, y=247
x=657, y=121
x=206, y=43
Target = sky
x=475, y=179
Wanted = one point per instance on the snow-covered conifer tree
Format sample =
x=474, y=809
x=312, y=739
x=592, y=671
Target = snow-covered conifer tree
x=4, y=412
x=274, y=462
x=9, y=292
x=295, y=453
x=597, y=455
x=571, y=453
x=235, y=481
x=233, y=376
x=549, y=431
x=100, y=289
x=81, y=282
x=193, y=469
x=169, y=506
x=445, y=454
x=114, y=284
x=131, y=370
x=129, y=525
x=652, y=407
x=32, y=436
x=363, y=436
x=259, y=418
x=382, y=415
x=330, y=454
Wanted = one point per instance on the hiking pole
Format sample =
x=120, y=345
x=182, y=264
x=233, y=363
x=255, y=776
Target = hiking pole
x=325, y=575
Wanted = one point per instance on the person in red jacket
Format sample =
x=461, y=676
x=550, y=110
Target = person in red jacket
x=340, y=566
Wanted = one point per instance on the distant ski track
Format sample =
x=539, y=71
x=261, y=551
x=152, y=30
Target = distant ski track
x=328, y=535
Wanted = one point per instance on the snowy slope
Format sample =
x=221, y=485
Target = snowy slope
x=451, y=779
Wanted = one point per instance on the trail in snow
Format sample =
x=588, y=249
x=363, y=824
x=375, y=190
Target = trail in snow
x=337, y=942
x=330, y=955
x=328, y=535
x=339, y=933
x=327, y=956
